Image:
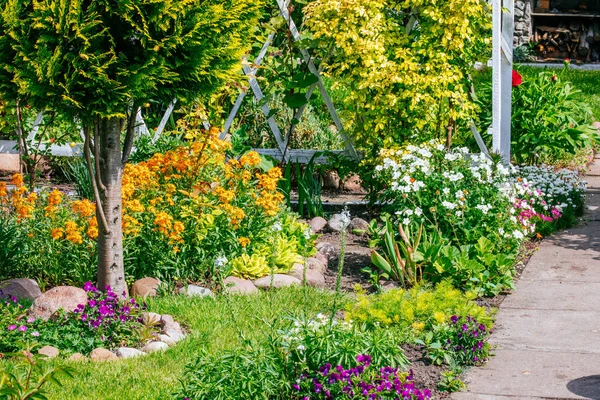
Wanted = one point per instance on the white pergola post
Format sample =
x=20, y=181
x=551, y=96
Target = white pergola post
x=502, y=63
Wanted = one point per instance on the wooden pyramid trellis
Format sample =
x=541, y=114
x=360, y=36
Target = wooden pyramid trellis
x=282, y=151
x=501, y=62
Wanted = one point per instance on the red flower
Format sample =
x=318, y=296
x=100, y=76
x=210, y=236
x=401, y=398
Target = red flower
x=517, y=79
x=554, y=78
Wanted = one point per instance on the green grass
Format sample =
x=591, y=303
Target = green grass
x=215, y=325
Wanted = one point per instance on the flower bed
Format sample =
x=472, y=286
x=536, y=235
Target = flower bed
x=190, y=213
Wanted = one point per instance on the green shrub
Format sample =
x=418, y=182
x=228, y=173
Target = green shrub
x=299, y=346
x=417, y=310
x=549, y=122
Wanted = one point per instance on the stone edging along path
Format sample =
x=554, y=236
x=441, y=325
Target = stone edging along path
x=548, y=330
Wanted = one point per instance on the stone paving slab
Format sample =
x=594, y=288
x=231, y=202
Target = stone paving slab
x=477, y=396
x=549, y=330
x=523, y=374
x=555, y=295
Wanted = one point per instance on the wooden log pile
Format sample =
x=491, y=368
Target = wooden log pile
x=574, y=40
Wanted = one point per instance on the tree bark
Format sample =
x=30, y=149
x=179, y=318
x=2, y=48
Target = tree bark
x=111, y=271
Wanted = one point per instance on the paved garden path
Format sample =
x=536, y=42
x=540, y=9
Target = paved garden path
x=548, y=330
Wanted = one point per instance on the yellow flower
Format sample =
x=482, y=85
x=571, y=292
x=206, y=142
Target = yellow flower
x=244, y=241
x=418, y=326
x=439, y=317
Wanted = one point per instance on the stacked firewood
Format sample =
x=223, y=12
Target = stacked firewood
x=575, y=40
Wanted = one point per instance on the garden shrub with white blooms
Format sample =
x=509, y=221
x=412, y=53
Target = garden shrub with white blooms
x=483, y=210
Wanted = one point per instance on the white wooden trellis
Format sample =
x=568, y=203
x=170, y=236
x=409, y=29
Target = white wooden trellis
x=503, y=30
x=502, y=63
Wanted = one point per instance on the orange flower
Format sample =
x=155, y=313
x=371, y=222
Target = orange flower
x=17, y=180
x=251, y=159
x=57, y=233
x=72, y=232
x=84, y=208
x=244, y=241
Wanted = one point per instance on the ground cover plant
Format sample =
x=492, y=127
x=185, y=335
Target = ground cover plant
x=108, y=320
x=189, y=213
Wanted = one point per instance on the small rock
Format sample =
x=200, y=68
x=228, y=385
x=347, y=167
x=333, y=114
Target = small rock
x=359, y=224
x=335, y=223
x=313, y=277
x=101, y=354
x=321, y=257
x=316, y=264
x=317, y=224
x=155, y=346
x=60, y=297
x=176, y=336
x=195, y=290
x=49, y=351
x=150, y=318
x=77, y=357
x=21, y=288
x=145, y=287
x=128, y=352
x=389, y=285
x=353, y=184
x=331, y=180
x=327, y=250
x=168, y=323
x=279, y=281
x=167, y=339
x=234, y=284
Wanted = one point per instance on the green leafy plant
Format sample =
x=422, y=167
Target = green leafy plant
x=549, y=122
x=404, y=259
x=27, y=376
x=478, y=268
x=76, y=172
x=309, y=189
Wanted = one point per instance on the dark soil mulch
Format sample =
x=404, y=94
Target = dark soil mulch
x=425, y=374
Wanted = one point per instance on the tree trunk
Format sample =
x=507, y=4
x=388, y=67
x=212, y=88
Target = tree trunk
x=110, y=242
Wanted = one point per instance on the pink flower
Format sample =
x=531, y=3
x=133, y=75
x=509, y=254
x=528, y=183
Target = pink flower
x=12, y=327
x=22, y=328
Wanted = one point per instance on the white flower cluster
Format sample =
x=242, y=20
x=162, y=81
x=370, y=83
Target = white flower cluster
x=293, y=338
x=448, y=178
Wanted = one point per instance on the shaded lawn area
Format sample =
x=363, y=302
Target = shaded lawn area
x=215, y=325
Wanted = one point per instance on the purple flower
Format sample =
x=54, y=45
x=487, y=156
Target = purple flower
x=296, y=387
x=22, y=328
x=363, y=359
x=89, y=287
x=454, y=319
x=12, y=327
x=465, y=327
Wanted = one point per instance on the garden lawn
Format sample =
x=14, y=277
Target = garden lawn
x=215, y=325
